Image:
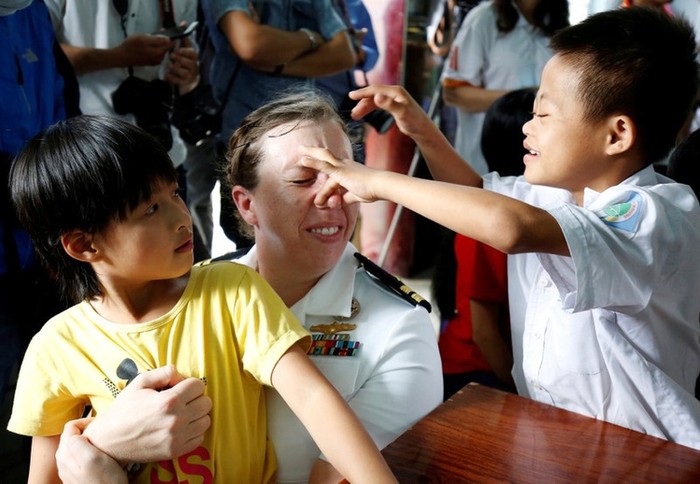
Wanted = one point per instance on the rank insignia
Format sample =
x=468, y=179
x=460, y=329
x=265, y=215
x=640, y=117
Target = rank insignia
x=332, y=328
x=354, y=309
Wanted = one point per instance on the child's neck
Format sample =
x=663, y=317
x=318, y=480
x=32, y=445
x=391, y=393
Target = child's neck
x=138, y=304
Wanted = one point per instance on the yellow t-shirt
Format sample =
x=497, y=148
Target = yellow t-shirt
x=229, y=328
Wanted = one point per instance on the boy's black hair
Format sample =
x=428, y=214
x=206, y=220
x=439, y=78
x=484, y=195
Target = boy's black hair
x=639, y=62
x=502, y=132
x=81, y=174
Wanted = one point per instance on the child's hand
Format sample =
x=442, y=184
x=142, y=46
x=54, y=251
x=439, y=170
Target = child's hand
x=348, y=181
x=410, y=117
x=158, y=416
x=79, y=461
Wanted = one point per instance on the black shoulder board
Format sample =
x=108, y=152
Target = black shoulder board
x=236, y=254
x=392, y=282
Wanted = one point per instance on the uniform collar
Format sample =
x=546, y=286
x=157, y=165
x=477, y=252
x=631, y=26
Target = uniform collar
x=332, y=294
x=644, y=177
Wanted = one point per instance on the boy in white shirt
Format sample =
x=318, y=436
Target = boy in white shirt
x=603, y=284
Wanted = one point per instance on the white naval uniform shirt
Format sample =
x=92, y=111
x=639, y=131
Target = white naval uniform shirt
x=612, y=331
x=395, y=380
x=487, y=58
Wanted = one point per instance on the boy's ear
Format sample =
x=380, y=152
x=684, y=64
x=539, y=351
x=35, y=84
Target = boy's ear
x=245, y=204
x=78, y=245
x=622, y=134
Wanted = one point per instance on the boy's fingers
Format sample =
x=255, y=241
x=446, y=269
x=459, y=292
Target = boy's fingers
x=318, y=157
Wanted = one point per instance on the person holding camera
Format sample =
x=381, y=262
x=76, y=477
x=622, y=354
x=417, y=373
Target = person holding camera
x=263, y=47
x=124, y=68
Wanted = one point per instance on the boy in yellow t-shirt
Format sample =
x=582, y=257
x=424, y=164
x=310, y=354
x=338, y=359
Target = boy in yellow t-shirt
x=100, y=199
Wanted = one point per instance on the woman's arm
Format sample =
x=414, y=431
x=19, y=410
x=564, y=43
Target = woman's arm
x=80, y=462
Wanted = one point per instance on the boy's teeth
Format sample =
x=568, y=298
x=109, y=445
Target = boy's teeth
x=326, y=231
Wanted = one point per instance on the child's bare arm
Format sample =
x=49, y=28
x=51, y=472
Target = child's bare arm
x=470, y=98
x=504, y=223
x=42, y=464
x=444, y=162
x=315, y=402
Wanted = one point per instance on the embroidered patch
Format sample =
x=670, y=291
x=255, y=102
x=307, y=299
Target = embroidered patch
x=623, y=216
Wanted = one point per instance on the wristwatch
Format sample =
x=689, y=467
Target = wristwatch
x=310, y=35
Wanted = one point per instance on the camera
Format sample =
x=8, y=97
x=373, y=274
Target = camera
x=379, y=119
x=197, y=115
x=151, y=103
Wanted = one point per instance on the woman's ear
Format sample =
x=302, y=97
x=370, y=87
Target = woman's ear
x=245, y=204
x=622, y=135
x=79, y=245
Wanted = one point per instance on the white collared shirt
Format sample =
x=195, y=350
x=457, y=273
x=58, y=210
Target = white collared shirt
x=612, y=331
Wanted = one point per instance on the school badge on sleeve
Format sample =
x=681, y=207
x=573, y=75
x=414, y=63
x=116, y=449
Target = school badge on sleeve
x=623, y=216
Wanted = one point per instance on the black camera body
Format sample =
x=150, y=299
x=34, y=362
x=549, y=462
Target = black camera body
x=151, y=103
x=197, y=115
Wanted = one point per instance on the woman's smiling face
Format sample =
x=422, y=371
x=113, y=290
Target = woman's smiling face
x=282, y=204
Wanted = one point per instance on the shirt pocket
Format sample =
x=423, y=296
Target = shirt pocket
x=574, y=344
x=341, y=371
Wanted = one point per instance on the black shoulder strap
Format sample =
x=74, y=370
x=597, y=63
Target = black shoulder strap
x=392, y=282
x=236, y=254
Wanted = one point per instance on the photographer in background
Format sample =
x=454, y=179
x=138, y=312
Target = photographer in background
x=123, y=69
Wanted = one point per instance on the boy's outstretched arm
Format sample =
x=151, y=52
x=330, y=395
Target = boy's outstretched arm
x=444, y=162
x=315, y=402
x=504, y=223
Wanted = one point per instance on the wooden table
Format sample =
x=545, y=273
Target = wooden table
x=485, y=435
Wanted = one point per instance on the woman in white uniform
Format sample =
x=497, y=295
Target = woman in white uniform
x=391, y=372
